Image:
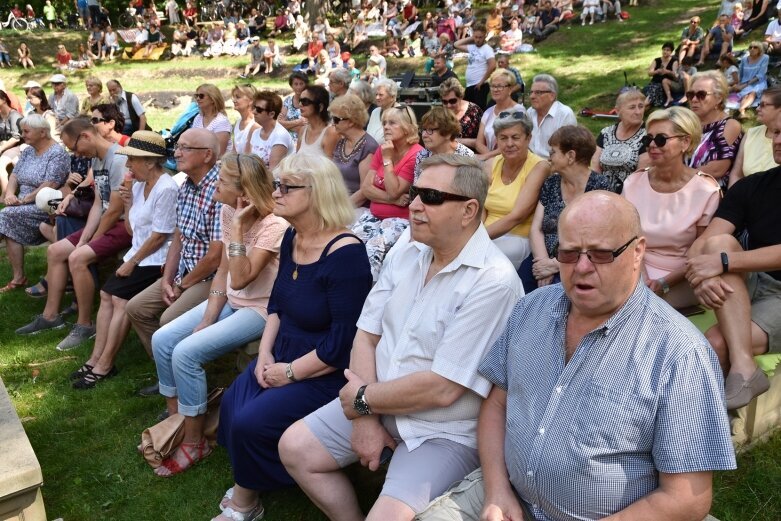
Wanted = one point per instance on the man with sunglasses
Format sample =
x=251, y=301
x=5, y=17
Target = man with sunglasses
x=196, y=247
x=413, y=391
x=608, y=401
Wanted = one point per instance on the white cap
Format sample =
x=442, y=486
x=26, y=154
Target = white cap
x=43, y=197
x=58, y=78
x=30, y=84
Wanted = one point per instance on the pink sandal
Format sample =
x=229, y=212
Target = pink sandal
x=173, y=466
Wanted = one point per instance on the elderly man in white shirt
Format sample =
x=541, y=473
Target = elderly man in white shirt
x=413, y=390
x=547, y=113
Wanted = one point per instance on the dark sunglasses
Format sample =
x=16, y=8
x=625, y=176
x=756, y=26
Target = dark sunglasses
x=258, y=110
x=306, y=102
x=432, y=197
x=512, y=114
x=595, y=256
x=406, y=108
x=450, y=101
x=659, y=139
x=337, y=119
x=95, y=121
x=699, y=94
x=199, y=95
x=285, y=188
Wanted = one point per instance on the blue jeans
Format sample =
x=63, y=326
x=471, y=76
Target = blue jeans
x=180, y=354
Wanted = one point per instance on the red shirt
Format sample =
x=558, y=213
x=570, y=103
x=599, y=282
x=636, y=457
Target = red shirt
x=63, y=59
x=404, y=169
x=315, y=48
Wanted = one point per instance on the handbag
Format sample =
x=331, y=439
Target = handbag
x=81, y=203
x=161, y=440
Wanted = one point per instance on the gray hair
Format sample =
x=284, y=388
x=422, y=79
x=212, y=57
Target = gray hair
x=36, y=121
x=469, y=180
x=363, y=90
x=548, y=80
x=341, y=75
x=513, y=118
x=390, y=87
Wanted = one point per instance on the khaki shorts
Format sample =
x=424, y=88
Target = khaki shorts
x=765, y=294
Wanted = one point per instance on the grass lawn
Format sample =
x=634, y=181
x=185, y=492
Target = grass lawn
x=85, y=441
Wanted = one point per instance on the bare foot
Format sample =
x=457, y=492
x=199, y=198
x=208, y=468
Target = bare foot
x=185, y=456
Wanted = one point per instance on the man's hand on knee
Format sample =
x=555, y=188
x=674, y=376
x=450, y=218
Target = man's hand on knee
x=368, y=439
x=713, y=292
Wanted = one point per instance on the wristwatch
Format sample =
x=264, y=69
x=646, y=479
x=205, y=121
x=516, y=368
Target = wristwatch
x=289, y=372
x=665, y=287
x=724, y=262
x=387, y=162
x=360, y=404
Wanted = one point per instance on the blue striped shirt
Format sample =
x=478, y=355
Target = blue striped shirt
x=642, y=394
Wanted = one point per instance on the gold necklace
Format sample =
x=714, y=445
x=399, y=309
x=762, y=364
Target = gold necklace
x=295, y=272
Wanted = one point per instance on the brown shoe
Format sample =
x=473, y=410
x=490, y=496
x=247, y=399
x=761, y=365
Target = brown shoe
x=739, y=392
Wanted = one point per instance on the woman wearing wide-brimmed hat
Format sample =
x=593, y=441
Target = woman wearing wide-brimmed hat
x=150, y=217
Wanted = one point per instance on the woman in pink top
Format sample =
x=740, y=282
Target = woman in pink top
x=675, y=202
x=386, y=185
x=235, y=312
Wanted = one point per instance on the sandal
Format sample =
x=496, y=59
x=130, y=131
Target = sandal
x=81, y=372
x=202, y=449
x=11, y=286
x=35, y=290
x=91, y=379
x=226, y=499
x=256, y=513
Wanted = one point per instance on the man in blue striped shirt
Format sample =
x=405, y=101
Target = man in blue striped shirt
x=607, y=403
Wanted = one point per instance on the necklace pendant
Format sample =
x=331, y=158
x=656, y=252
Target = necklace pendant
x=295, y=273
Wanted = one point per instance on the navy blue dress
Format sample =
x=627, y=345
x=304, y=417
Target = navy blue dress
x=318, y=310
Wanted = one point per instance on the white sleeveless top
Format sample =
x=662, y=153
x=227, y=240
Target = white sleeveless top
x=241, y=137
x=315, y=148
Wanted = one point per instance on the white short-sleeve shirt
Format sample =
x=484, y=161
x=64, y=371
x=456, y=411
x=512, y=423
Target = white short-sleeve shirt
x=477, y=63
x=156, y=213
x=262, y=147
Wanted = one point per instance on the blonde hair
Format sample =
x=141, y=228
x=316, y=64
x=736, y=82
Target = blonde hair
x=351, y=107
x=407, y=121
x=684, y=122
x=249, y=174
x=330, y=200
x=503, y=73
x=248, y=91
x=93, y=80
x=719, y=82
x=214, y=94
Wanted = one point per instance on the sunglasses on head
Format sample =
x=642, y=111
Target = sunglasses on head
x=306, y=102
x=595, y=256
x=659, y=139
x=512, y=114
x=432, y=197
x=699, y=94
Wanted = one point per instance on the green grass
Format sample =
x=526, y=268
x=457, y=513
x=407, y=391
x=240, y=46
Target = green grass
x=85, y=441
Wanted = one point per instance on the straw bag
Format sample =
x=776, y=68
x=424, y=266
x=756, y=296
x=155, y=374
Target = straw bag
x=161, y=440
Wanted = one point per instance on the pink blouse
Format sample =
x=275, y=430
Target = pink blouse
x=404, y=169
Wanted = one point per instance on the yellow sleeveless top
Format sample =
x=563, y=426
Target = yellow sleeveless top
x=501, y=197
x=757, y=151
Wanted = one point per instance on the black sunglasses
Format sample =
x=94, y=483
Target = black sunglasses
x=199, y=95
x=285, y=188
x=449, y=101
x=659, y=139
x=513, y=114
x=258, y=110
x=699, y=94
x=432, y=197
x=595, y=256
x=95, y=121
x=406, y=108
x=306, y=102
x=337, y=119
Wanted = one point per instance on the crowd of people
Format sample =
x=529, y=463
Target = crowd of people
x=361, y=245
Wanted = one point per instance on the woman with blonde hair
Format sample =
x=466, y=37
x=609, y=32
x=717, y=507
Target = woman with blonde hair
x=243, y=97
x=387, y=184
x=675, y=202
x=501, y=84
x=94, y=95
x=321, y=285
x=211, y=115
x=355, y=149
x=235, y=312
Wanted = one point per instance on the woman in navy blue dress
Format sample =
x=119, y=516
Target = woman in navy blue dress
x=323, y=280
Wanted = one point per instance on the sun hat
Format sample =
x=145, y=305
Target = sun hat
x=58, y=78
x=144, y=143
x=30, y=84
x=43, y=197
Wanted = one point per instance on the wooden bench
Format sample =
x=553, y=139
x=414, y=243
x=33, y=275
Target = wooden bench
x=20, y=473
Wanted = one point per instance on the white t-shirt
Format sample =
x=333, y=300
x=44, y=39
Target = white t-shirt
x=774, y=31
x=374, y=128
x=262, y=148
x=220, y=123
x=488, y=121
x=477, y=63
x=155, y=214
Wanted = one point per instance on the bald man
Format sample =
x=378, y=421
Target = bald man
x=610, y=401
x=191, y=260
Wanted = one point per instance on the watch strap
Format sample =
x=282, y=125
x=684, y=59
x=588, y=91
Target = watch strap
x=724, y=262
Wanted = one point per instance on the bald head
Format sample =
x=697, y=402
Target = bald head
x=602, y=208
x=200, y=137
x=197, y=152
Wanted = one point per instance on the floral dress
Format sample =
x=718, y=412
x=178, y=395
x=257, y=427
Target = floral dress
x=20, y=223
x=470, y=122
x=619, y=158
x=293, y=113
x=713, y=147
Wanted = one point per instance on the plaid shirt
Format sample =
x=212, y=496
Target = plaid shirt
x=198, y=220
x=642, y=394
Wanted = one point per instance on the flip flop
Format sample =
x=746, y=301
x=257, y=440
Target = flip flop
x=11, y=286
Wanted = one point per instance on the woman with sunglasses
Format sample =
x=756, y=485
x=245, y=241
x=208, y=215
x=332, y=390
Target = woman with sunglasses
x=439, y=129
x=108, y=120
x=721, y=135
x=516, y=176
x=502, y=83
x=387, y=184
x=619, y=148
x=385, y=92
x=270, y=141
x=243, y=97
x=753, y=77
x=355, y=149
x=756, y=148
x=675, y=202
x=315, y=303
x=691, y=38
x=469, y=114
x=235, y=312
x=318, y=137
x=211, y=115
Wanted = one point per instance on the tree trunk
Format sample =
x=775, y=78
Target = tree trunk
x=315, y=8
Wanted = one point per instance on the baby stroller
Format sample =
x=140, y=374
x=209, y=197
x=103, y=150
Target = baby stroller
x=172, y=136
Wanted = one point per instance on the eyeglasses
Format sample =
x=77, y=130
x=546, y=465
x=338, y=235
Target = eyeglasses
x=659, y=139
x=595, y=256
x=258, y=110
x=512, y=114
x=337, y=119
x=95, y=121
x=764, y=105
x=754, y=47
x=499, y=87
x=305, y=102
x=285, y=188
x=699, y=94
x=199, y=95
x=429, y=131
x=432, y=197
x=185, y=148
x=450, y=101
x=76, y=144
x=538, y=92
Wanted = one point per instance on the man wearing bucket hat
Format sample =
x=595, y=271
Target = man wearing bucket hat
x=103, y=235
x=196, y=247
x=63, y=102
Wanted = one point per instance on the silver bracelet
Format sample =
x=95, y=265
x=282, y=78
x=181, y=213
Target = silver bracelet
x=236, y=249
x=218, y=293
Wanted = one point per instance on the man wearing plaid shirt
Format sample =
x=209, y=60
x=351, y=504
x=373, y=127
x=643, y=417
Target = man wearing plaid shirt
x=195, y=250
x=607, y=403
